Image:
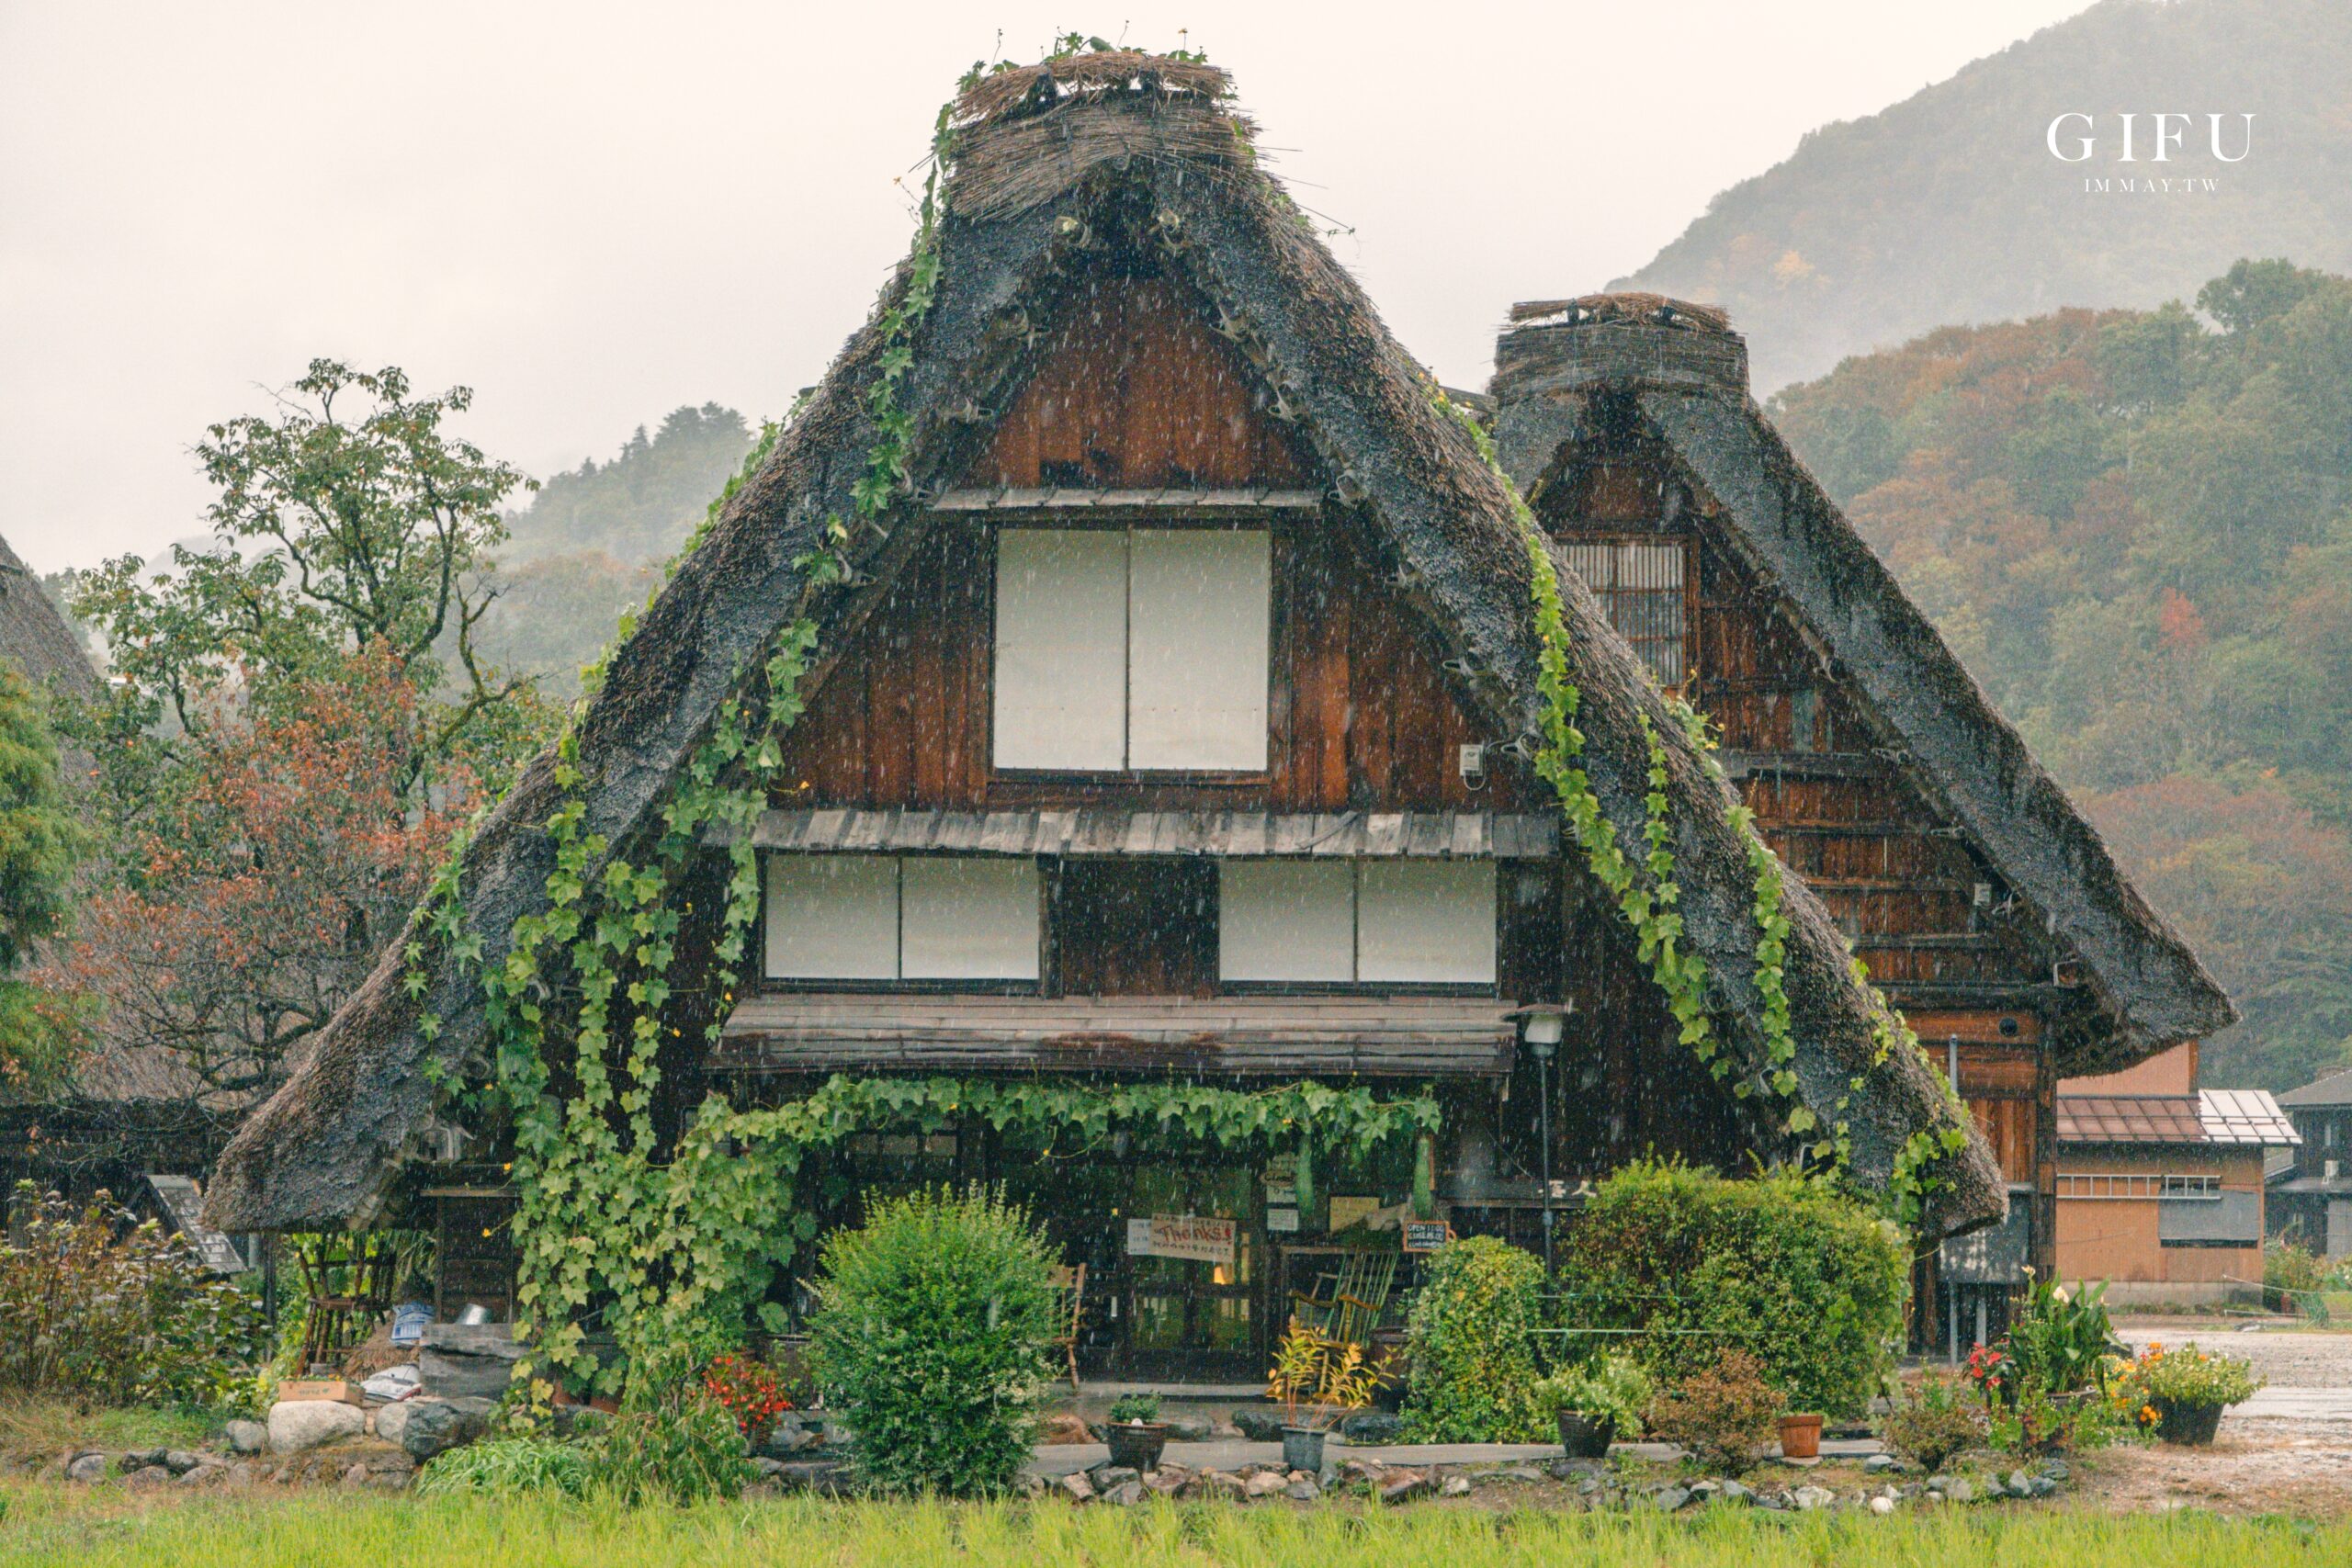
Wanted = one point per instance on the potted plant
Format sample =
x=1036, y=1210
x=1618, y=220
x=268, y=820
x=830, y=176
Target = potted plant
x=1136, y=1434
x=2182, y=1393
x=1594, y=1402
x=1316, y=1378
x=1800, y=1435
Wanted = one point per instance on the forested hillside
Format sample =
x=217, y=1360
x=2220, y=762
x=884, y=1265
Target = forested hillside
x=2135, y=527
x=592, y=542
x=1949, y=207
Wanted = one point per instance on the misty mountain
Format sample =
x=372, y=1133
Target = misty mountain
x=1949, y=207
x=2135, y=529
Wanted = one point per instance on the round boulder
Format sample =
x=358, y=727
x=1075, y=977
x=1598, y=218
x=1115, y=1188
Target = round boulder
x=297, y=1425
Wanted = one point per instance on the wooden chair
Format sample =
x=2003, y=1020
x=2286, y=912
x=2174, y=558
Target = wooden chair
x=1357, y=1296
x=1072, y=1281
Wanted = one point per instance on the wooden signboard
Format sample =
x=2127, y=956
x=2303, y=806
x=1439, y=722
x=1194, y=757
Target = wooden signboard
x=1426, y=1235
x=185, y=1203
x=1202, y=1239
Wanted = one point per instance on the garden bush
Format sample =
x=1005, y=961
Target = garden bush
x=1809, y=1280
x=100, y=1306
x=930, y=1336
x=510, y=1467
x=1470, y=1354
x=1612, y=1387
x=1721, y=1417
x=1933, y=1422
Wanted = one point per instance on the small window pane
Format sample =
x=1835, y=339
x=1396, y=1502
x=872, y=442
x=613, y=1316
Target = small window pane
x=1287, y=919
x=1061, y=649
x=832, y=918
x=969, y=919
x=1426, y=921
x=1198, y=606
x=1640, y=586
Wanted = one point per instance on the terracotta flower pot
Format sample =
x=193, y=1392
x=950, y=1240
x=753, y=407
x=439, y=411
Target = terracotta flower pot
x=1587, y=1437
x=1799, y=1437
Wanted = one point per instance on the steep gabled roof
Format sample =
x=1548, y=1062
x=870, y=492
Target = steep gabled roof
x=1688, y=373
x=33, y=636
x=1049, y=163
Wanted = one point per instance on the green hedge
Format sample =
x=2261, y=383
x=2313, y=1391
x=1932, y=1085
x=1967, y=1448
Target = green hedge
x=1470, y=1350
x=1805, y=1277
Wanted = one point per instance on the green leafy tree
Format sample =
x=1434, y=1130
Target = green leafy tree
x=41, y=843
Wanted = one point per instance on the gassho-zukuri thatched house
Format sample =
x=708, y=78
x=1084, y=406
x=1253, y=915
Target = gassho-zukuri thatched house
x=1175, y=721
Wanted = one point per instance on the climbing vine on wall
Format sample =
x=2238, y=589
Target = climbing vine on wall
x=1649, y=909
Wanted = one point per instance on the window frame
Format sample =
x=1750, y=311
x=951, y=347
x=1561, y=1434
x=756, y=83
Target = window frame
x=1358, y=987
x=1687, y=544
x=1013, y=779
x=929, y=986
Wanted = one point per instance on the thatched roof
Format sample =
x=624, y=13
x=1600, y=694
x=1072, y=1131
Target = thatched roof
x=33, y=636
x=2152, y=992
x=325, y=1148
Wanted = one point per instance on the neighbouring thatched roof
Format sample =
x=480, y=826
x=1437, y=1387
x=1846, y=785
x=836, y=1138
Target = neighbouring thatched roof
x=2151, y=991
x=325, y=1148
x=34, y=635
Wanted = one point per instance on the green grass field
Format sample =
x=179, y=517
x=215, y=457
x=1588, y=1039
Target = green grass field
x=56, y=1527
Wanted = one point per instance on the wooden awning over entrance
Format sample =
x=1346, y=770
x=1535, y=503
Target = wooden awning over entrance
x=1290, y=1036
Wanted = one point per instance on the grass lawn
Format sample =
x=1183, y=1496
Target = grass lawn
x=32, y=1427
x=57, y=1526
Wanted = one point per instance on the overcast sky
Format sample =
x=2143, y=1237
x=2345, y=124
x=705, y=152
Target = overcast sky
x=594, y=212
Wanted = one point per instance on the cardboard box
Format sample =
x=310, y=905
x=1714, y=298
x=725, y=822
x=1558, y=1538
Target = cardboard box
x=334, y=1390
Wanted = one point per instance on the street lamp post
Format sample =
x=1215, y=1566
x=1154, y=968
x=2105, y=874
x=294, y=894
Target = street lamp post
x=1542, y=1028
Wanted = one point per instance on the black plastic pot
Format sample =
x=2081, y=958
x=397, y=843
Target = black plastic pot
x=1137, y=1445
x=2191, y=1425
x=1303, y=1449
x=1587, y=1437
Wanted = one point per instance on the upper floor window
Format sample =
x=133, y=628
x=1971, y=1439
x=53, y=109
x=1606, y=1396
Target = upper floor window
x=1394, y=922
x=901, y=917
x=1643, y=586
x=1133, y=649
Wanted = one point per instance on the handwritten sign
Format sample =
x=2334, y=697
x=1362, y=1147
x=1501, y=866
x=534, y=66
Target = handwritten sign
x=1202, y=1239
x=1426, y=1235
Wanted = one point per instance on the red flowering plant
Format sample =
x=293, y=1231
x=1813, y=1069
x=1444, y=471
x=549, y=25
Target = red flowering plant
x=749, y=1390
x=1992, y=1372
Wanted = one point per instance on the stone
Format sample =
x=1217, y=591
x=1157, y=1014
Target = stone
x=1518, y=1473
x=1303, y=1490
x=1454, y=1486
x=389, y=1480
x=1106, y=1475
x=139, y=1458
x=1188, y=1428
x=1258, y=1426
x=2055, y=1470
x=1168, y=1481
x=1373, y=1428
x=1076, y=1487
x=1059, y=1429
x=2041, y=1487
x=247, y=1436
x=146, y=1478
x=1401, y=1485
x=392, y=1420
x=1126, y=1493
x=1667, y=1499
x=1807, y=1498
x=355, y=1476
x=242, y=1474
x=1223, y=1483
x=1361, y=1472
x=1960, y=1489
x=1882, y=1504
x=1881, y=1464
x=209, y=1472
x=87, y=1467
x=436, y=1425
x=466, y=1361
x=297, y=1425
x=1265, y=1483
x=179, y=1461
x=1734, y=1493
x=2021, y=1484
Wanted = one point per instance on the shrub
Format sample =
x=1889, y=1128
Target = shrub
x=97, y=1306
x=749, y=1391
x=1613, y=1386
x=931, y=1335
x=510, y=1467
x=1321, y=1374
x=1721, y=1416
x=1129, y=1407
x=2288, y=1267
x=1470, y=1357
x=1934, y=1423
x=2189, y=1376
x=1810, y=1279
x=680, y=1447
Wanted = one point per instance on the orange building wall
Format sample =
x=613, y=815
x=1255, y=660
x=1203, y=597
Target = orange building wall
x=2116, y=1238
x=2166, y=1072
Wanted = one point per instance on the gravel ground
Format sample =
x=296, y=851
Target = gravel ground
x=2282, y=1357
